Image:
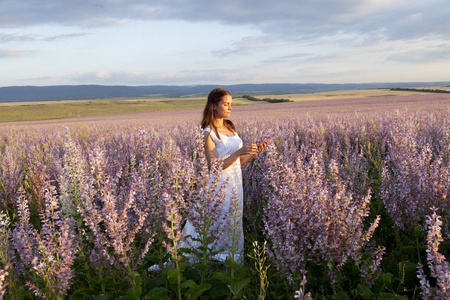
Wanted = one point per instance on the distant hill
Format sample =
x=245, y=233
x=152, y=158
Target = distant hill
x=72, y=92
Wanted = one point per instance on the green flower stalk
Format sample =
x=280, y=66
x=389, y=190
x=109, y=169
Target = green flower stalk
x=259, y=256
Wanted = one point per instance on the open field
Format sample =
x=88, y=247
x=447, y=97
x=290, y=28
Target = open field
x=192, y=109
x=343, y=191
x=45, y=110
x=83, y=108
x=349, y=94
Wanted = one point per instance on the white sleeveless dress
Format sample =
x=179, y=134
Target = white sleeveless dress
x=225, y=146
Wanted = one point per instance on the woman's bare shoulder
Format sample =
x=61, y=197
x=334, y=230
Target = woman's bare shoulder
x=206, y=132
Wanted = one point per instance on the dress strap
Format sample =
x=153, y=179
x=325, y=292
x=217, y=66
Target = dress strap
x=212, y=133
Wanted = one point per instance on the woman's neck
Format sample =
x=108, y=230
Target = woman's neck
x=218, y=123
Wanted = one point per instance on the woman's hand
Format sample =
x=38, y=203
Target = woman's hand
x=249, y=149
x=262, y=145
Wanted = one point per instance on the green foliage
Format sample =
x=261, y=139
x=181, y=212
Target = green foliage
x=270, y=100
x=102, y=286
x=158, y=293
x=421, y=90
x=236, y=281
x=86, y=108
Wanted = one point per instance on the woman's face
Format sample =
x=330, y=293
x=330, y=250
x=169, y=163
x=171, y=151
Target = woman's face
x=223, y=108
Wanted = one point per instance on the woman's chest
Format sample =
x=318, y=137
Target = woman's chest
x=227, y=145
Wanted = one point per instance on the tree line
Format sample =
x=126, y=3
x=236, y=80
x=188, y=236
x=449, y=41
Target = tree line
x=421, y=90
x=270, y=100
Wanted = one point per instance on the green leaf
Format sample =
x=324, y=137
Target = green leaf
x=342, y=296
x=109, y=282
x=185, y=250
x=416, y=232
x=238, y=286
x=383, y=282
x=134, y=292
x=232, y=264
x=240, y=272
x=200, y=267
x=153, y=259
x=172, y=275
x=392, y=296
x=148, y=262
x=94, y=280
x=82, y=294
x=136, y=277
x=408, y=266
x=364, y=291
x=406, y=251
x=159, y=281
x=408, y=271
x=351, y=269
x=218, y=290
x=189, y=284
x=444, y=247
x=103, y=297
x=213, y=263
x=198, y=291
x=222, y=276
x=182, y=264
x=158, y=293
x=81, y=275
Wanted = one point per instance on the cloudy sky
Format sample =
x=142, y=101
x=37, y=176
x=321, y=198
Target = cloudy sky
x=185, y=42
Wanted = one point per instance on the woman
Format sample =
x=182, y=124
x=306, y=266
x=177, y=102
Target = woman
x=229, y=149
x=223, y=143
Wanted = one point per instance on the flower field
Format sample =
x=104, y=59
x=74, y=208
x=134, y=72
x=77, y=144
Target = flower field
x=347, y=204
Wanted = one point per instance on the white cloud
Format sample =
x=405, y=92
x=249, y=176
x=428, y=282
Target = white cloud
x=16, y=37
x=138, y=78
x=202, y=41
x=421, y=56
x=11, y=52
x=289, y=18
x=248, y=45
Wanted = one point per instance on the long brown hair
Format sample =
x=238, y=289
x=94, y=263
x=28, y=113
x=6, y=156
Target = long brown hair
x=214, y=97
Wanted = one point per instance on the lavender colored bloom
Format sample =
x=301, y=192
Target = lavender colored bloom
x=174, y=231
x=49, y=254
x=10, y=175
x=23, y=242
x=204, y=211
x=311, y=214
x=4, y=238
x=300, y=293
x=96, y=261
x=266, y=138
x=3, y=282
x=234, y=227
x=113, y=221
x=370, y=269
x=415, y=178
x=307, y=193
x=439, y=267
x=71, y=180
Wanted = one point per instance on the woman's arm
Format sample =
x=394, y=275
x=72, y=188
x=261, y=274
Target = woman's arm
x=248, y=150
x=246, y=158
x=210, y=148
